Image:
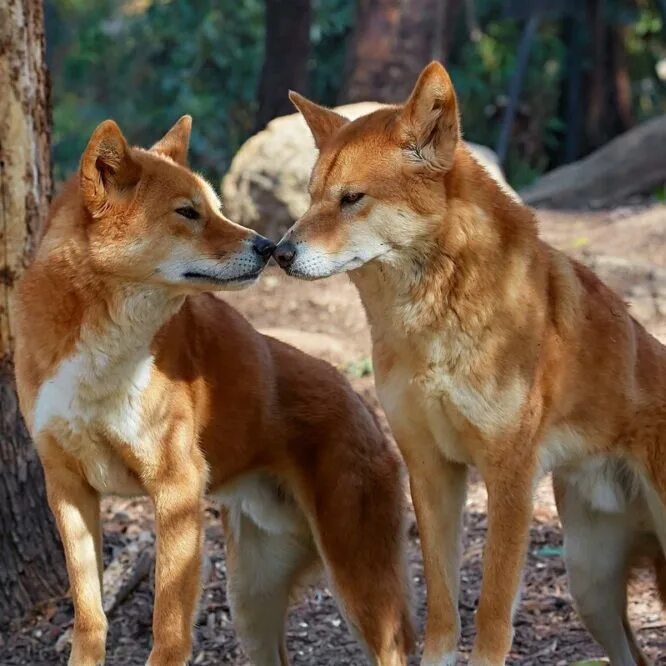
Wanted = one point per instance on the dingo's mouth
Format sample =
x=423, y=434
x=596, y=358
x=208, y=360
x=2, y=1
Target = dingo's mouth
x=195, y=276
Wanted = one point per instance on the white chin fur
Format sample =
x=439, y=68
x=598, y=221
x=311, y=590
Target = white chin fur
x=235, y=272
x=310, y=264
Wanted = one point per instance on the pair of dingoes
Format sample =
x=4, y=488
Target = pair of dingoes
x=490, y=348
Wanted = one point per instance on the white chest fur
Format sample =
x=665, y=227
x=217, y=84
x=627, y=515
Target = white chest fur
x=92, y=391
x=91, y=402
x=97, y=396
x=422, y=392
x=415, y=413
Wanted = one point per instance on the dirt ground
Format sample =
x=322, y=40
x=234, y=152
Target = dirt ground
x=326, y=318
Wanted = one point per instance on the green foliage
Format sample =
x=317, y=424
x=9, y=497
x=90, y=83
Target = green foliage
x=146, y=62
x=549, y=551
x=331, y=27
x=646, y=48
x=482, y=72
x=360, y=368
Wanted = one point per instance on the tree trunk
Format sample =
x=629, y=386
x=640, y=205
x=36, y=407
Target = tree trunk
x=392, y=42
x=609, y=99
x=31, y=561
x=446, y=17
x=285, y=59
x=571, y=102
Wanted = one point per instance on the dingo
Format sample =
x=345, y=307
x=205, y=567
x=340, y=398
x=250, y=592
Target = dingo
x=130, y=383
x=490, y=348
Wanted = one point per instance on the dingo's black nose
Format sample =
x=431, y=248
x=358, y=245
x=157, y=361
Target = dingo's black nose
x=284, y=253
x=263, y=247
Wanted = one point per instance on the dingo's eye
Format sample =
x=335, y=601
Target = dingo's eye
x=188, y=212
x=351, y=198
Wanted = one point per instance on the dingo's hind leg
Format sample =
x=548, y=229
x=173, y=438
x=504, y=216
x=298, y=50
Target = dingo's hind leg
x=263, y=568
x=597, y=552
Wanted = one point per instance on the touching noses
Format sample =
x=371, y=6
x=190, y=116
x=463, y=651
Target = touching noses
x=284, y=253
x=263, y=247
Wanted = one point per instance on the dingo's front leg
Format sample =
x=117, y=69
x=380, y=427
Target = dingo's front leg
x=438, y=492
x=178, y=500
x=509, y=514
x=75, y=505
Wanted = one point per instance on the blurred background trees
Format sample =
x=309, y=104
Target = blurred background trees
x=593, y=68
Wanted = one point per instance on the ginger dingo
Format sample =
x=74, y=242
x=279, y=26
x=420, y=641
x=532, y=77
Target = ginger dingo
x=490, y=348
x=132, y=380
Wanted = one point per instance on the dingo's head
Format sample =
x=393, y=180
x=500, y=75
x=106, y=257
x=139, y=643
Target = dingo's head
x=151, y=219
x=376, y=189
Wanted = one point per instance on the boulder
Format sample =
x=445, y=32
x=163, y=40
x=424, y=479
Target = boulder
x=266, y=185
x=631, y=164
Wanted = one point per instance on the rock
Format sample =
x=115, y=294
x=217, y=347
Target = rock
x=633, y=163
x=266, y=185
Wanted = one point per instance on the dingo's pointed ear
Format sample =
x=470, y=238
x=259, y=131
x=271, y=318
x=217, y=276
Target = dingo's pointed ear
x=106, y=166
x=431, y=126
x=323, y=122
x=176, y=142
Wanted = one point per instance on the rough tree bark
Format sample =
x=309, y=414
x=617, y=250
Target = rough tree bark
x=392, y=42
x=287, y=49
x=31, y=562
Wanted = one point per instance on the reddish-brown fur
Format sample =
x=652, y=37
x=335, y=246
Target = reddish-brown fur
x=490, y=347
x=218, y=404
